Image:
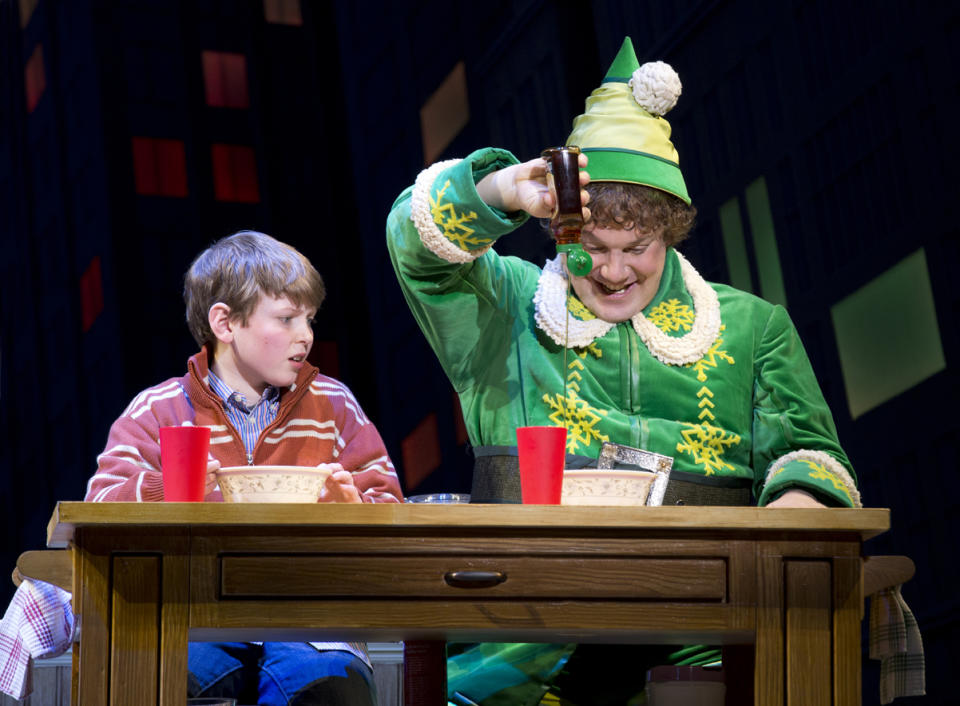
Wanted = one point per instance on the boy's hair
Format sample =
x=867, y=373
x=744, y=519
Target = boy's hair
x=237, y=269
x=621, y=205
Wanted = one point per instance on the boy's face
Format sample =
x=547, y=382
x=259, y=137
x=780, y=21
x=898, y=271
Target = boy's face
x=273, y=345
x=627, y=266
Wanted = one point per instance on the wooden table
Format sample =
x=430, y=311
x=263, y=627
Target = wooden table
x=150, y=576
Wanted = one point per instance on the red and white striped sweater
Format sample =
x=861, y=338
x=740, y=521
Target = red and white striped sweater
x=318, y=421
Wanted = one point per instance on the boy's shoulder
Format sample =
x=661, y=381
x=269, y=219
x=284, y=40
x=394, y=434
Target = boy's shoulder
x=336, y=393
x=323, y=385
x=164, y=393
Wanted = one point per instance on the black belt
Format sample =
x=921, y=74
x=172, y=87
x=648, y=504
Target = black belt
x=496, y=479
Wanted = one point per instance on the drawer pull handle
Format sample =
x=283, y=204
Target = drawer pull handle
x=474, y=579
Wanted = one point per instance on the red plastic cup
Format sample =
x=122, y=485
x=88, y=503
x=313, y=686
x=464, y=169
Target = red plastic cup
x=183, y=458
x=542, y=451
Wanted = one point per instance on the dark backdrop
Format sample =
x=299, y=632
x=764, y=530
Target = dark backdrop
x=117, y=167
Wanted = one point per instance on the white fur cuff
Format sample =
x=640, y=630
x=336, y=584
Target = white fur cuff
x=421, y=215
x=831, y=464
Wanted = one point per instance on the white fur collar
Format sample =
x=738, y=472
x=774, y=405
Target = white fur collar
x=550, y=302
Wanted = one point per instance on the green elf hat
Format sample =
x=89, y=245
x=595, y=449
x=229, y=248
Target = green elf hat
x=622, y=131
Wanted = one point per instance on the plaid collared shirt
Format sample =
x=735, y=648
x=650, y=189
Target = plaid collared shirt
x=248, y=421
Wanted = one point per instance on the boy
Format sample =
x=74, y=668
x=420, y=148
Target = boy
x=250, y=303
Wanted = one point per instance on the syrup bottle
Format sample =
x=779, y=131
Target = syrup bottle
x=563, y=171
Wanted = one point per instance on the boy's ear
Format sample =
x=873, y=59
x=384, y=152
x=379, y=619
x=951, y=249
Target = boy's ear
x=220, y=323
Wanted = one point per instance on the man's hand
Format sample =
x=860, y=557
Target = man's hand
x=796, y=498
x=339, y=487
x=523, y=187
x=213, y=465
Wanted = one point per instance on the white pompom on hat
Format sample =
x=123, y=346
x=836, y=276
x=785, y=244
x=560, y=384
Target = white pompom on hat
x=656, y=87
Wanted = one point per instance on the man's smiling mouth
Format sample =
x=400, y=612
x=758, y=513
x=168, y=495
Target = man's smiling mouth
x=610, y=291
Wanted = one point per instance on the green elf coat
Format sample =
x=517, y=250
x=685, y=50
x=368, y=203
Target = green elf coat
x=712, y=376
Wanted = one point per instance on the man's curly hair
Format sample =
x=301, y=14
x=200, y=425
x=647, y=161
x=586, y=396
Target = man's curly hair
x=620, y=205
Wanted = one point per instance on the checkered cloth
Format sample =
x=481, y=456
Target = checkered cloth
x=895, y=641
x=38, y=623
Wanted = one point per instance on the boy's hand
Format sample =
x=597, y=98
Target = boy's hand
x=339, y=487
x=213, y=465
x=523, y=187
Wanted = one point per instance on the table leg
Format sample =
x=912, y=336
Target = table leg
x=768, y=673
x=847, y=604
x=133, y=609
x=135, y=630
x=174, y=628
x=809, y=647
x=91, y=602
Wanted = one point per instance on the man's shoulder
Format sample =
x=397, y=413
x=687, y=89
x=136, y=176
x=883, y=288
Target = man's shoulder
x=521, y=268
x=731, y=296
x=751, y=312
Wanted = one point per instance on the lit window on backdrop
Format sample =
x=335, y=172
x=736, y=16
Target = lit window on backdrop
x=225, y=79
x=235, y=174
x=26, y=11
x=444, y=114
x=283, y=12
x=159, y=167
x=34, y=79
x=888, y=337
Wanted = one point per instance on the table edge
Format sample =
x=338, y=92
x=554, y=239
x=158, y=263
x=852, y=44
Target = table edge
x=70, y=515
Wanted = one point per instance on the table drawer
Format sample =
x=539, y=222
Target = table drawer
x=509, y=576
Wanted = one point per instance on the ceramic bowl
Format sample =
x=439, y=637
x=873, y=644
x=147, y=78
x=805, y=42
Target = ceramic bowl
x=592, y=486
x=271, y=484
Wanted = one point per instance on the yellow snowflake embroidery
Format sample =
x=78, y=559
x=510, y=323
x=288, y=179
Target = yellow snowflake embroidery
x=577, y=308
x=775, y=473
x=591, y=347
x=453, y=224
x=671, y=315
x=707, y=444
x=578, y=417
x=704, y=395
x=820, y=472
x=711, y=357
x=572, y=411
x=813, y=465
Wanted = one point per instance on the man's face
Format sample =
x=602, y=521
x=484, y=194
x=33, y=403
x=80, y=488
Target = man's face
x=273, y=345
x=627, y=266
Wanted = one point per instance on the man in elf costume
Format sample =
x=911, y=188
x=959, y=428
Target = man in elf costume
x=656, y=358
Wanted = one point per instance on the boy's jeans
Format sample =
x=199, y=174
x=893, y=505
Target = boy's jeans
x=279, y=674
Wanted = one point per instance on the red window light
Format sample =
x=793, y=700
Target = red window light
x=225, y=79
x=235, y=174
x=326, y=356
x=26, y=11
x=459, y=426
x=91, y=294
x=159, y=167
x=34, y=79
x=283, y=12
x=421, y=452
